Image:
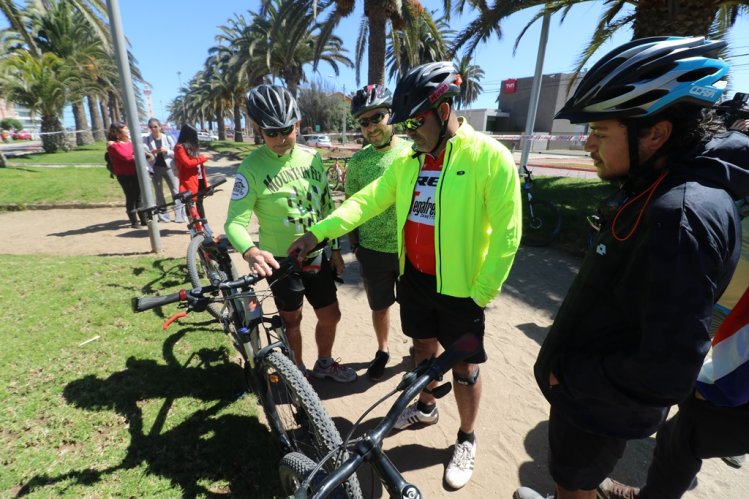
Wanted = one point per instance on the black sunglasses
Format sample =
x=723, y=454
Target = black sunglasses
x=274, y=132
x=374, y=119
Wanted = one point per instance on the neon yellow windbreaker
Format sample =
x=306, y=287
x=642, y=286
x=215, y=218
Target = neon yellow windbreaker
x=478, y=221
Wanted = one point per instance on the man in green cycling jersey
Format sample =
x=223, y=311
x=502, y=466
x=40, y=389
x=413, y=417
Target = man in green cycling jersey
x=286, y=187
x=458, y=214
x=375, y=243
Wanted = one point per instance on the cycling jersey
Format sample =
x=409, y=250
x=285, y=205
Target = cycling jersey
x=379, y=233
x=287, y=193
x=478, y=213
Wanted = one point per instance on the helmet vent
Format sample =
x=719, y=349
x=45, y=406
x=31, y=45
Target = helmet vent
x=696, y=74
x=645, y=98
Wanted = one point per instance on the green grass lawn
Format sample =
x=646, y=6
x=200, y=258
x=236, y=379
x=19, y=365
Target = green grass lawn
x=85, y=155
x=136, y=413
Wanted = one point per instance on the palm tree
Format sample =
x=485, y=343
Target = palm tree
x=288, y=37
x=373, y=29
x=471, y=75
x=649, y=18
x=41, y=84
x=425, y=40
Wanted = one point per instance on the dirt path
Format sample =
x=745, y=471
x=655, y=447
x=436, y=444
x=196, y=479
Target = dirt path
x=512, y=425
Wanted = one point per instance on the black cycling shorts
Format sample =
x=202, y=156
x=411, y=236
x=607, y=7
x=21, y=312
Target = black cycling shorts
x=379, y=272
x=319, y=288
x=580, y=460
x=428, y=314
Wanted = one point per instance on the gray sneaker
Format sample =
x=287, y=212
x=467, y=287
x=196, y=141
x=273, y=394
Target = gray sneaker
x=412, y=415
x=334, y=371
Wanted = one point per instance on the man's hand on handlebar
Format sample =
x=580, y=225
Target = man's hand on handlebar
x=302, y=246
x=261, y=262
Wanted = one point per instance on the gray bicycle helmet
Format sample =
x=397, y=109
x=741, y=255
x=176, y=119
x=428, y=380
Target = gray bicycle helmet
x=424, y=87
x=271, y=106
x=646, y=76
x=370, y=97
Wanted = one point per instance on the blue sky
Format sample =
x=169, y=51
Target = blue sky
x=171, y=37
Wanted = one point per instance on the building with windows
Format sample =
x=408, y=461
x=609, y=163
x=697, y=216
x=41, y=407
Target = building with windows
x=11, y=110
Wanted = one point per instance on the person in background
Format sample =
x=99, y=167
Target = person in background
x=190, y=164
x=631, y=335
x=120, y=151
x=458, y=215
x=161, y=147
x=375, y=243
x=285, y=186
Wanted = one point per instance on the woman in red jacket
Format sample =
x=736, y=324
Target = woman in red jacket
x=120, y=150
x=190, y=164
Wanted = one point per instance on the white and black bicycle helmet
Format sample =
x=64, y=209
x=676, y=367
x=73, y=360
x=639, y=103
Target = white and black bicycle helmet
x=646, y=76
x=424, y=87
x=371, y=97
x=271, y=106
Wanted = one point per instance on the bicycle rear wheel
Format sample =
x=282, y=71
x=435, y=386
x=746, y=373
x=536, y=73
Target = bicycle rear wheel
x=542, y=222
x=334, y=175
x=199, y=263
x=298, y=418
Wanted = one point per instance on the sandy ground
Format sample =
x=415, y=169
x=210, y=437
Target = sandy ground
x=512, y=425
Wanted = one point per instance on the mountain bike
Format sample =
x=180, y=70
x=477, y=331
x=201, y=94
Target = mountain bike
x=337, y=173
x=302, y=477
x=542, y=220
x=292, y=408
x=205, y=253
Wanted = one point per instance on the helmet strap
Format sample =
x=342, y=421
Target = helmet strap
x=386, y=144
x=443, y=128
x=639, y=172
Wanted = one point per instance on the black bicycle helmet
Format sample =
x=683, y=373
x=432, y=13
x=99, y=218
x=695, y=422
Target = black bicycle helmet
x=370, y=97
x=424, y=87
x=646, y=76
x=271, y=106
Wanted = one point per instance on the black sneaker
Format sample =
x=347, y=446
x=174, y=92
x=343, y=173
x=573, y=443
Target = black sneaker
x=377, y=367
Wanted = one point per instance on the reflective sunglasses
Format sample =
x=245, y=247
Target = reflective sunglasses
x=274, y=132
x=374, y=119
x=154, y=126
x=416, y=122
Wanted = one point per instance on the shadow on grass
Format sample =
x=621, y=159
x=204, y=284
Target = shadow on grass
x=206, y=446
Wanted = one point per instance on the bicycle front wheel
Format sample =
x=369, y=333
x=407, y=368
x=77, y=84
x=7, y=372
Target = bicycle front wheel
x=199, y=264
x=334, y=175
x=542, y=222
x=297, y=417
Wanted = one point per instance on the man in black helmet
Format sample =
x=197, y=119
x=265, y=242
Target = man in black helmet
x=375, y=243
x=285, y=186
x=458, y=213
x=631, y=335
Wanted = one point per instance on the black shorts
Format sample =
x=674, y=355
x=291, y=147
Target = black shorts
x=579, y=460
x=318, y=287
x=379, y=272
x=428, y=314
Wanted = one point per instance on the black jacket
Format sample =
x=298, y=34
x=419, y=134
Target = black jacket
x=632, y=333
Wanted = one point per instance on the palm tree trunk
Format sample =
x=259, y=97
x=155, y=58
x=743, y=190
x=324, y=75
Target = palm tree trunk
x=105, y=117
x=96, y=122
x=83, y=136
x=53, y=136
x=238, y=136
x=112, y=103
x=375, y=10
x=672, y=18
x=220, y=123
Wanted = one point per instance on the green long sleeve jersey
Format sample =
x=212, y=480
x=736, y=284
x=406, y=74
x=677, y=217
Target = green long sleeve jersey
x=288, y=194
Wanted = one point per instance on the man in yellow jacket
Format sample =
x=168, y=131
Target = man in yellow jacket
x=458, y=211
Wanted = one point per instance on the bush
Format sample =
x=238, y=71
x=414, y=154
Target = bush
x=11, y=123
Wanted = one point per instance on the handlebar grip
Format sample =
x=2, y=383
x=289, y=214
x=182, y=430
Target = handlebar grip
x=218, y=182
x=149, y=302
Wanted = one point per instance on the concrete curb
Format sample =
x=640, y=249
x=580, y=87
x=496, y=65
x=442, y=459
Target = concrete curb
x=56, y=206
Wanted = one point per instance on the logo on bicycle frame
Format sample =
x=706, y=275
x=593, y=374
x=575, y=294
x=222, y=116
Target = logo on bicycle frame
x=410, y=492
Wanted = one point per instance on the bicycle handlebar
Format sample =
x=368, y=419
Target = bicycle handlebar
x=183, y=197
x=412, y=384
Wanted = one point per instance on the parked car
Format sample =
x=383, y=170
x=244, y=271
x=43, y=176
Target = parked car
x=318, y=141
x=207, y=136
x=21, y=135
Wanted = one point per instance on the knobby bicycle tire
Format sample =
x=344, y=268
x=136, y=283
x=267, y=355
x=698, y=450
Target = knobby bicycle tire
x=543, y=226
x=297, y=417
x=294, y=468
x=198, y=266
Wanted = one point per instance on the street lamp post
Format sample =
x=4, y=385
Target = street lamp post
x=179, y=78
x=343, y=118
